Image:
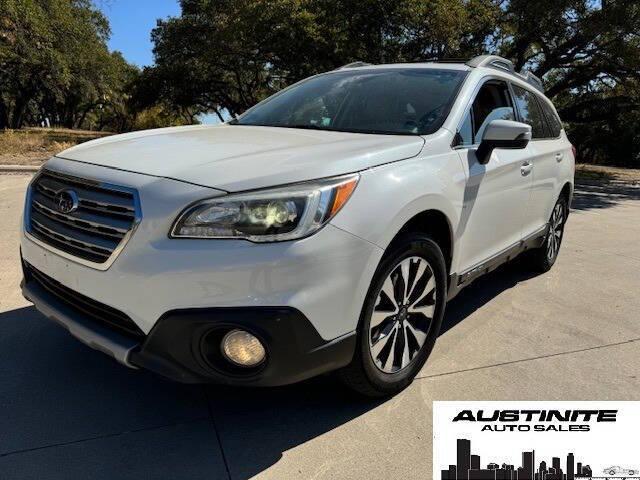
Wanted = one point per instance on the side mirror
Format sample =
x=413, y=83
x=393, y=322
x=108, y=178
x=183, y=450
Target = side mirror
x=502, y=134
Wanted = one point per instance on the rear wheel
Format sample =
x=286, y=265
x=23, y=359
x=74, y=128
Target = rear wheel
x=542, y=259
x=401, y=318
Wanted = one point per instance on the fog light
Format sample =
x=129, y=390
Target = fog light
x=242, y=348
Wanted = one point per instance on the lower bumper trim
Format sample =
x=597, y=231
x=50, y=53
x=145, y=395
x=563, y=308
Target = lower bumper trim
x=177, y=346
x=95, y=336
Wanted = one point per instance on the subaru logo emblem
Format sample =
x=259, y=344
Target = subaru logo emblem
x=67, y=201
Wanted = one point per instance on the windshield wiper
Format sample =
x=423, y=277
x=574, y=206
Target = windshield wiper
x=305, y=126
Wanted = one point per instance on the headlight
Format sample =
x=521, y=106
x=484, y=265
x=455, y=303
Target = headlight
x=272, y=215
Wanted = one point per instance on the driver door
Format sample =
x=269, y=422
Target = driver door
x=496, y=193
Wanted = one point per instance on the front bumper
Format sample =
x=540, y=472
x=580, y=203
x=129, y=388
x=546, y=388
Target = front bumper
x=184, y=344
x=321, y=281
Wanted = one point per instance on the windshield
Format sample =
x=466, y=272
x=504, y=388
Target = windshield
x=408, y=101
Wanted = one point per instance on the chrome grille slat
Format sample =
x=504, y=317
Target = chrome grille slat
x=104, y=207
x=103, y=245
x=77, y=250
x=114, y=221
x=88, y=195
x=103, y=218
x=79, y=223
x=84, y=205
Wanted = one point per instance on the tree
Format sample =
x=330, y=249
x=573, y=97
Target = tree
x=230, y=54
x=55, y=64
x=226, y=55
x=589, y=54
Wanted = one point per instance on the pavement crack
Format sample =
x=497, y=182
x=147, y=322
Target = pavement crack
x=217, y=432
x=541, y=357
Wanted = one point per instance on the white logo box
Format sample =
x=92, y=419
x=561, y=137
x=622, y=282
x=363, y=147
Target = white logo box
x=535, y=440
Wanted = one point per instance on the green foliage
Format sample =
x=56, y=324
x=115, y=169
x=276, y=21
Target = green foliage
x=589, y=53
x=159, y=116
x=230, y=54
x=52, y=56
x=55, y=64
x=226, y=55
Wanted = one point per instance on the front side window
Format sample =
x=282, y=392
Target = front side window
x=409, y=101
x=530, y=111
x=492, y=102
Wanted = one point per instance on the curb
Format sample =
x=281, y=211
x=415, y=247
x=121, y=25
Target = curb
x=19, y=169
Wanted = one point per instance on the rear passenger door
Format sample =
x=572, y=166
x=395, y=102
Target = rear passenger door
x=496, y=193
x=547, y=152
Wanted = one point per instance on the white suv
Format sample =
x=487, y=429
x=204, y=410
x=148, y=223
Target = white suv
x=324, y=229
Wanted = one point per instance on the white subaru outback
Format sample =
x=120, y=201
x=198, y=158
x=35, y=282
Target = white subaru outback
x=325, y=229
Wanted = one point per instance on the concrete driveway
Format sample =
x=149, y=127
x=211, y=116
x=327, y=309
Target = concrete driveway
x=573, y=334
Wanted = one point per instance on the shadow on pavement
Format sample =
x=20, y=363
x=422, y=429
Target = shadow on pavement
x=484, y=290
x=68, y=411
x=594, y=195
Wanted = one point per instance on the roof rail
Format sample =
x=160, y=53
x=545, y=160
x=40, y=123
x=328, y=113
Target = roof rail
x=500, y=63
x=492, y=61
x=447, y=60
x=354, y=65
x=531, y=79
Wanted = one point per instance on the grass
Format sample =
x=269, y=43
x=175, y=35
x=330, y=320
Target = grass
x=33, y=146
x=602, y=173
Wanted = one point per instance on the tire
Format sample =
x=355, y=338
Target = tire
x=396, y=335
x=543, y=258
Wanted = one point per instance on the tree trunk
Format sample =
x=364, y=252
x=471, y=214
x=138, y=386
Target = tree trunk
x=217, y=112
x=4, y=116
x=83, y=116
x=17, y=116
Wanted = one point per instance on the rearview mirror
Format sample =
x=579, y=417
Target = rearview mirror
x=502, y=134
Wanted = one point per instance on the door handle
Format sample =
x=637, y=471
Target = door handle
x=526, y=168
x=559, y=157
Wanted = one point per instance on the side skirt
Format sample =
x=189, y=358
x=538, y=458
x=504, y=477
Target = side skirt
x=458, y=281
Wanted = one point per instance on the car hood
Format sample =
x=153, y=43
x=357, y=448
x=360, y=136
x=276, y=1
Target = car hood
x=238, y=157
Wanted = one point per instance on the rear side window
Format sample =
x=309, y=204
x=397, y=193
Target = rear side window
x=492, y=102
x=530, y=111
x=552, y=120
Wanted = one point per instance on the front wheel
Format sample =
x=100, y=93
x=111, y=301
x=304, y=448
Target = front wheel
x=400, y=319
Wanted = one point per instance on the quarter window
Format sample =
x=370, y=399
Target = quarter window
x=552, y=120
x=530, y=111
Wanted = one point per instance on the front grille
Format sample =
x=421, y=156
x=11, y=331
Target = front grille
x=96, y=224
x=85, y=306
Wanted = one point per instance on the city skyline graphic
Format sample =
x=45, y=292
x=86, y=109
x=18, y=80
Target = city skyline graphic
x=469, y=467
